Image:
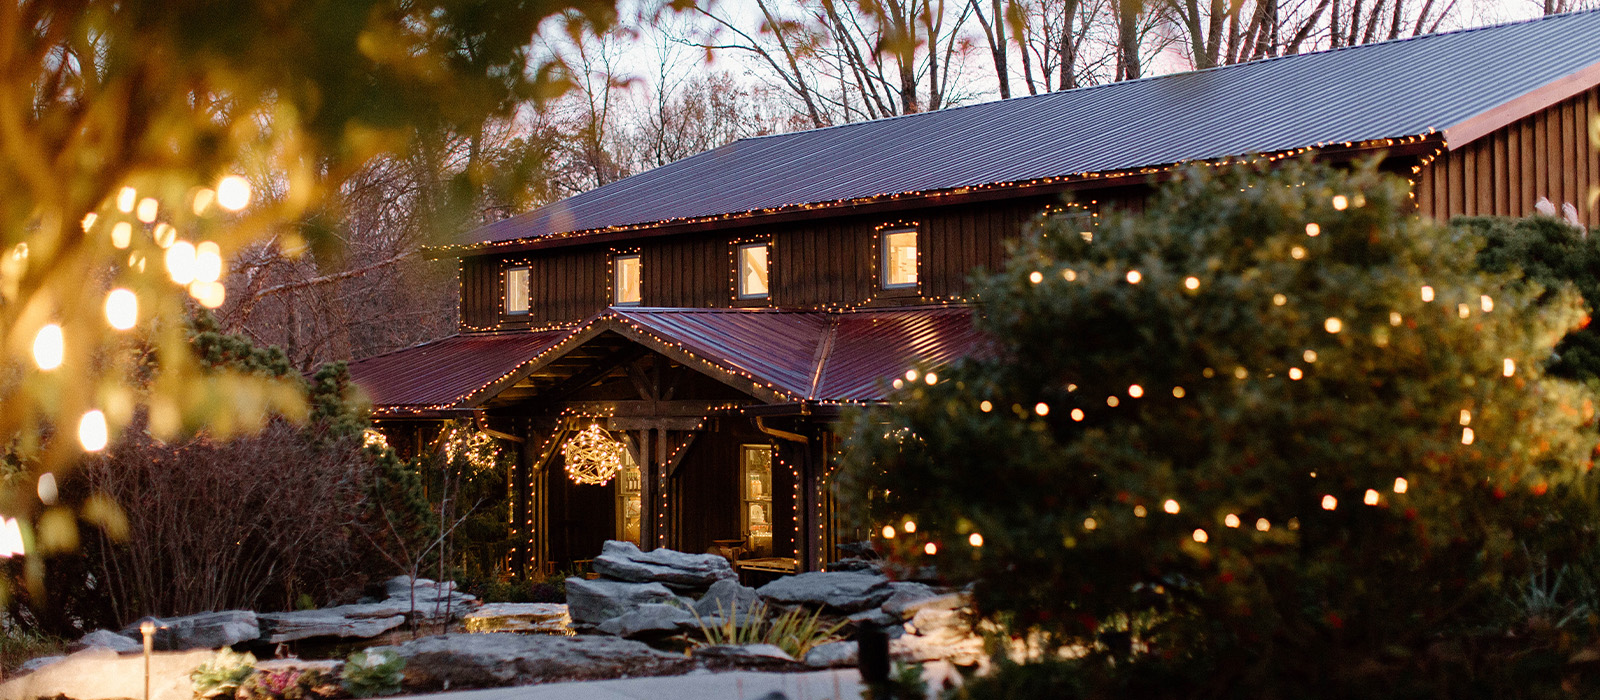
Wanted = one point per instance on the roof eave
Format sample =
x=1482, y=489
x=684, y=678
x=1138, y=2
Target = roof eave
x=1506, y=113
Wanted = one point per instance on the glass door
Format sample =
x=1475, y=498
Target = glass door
x=756, y=490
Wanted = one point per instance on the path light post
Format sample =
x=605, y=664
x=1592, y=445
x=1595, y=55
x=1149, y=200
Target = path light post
x=147, y=627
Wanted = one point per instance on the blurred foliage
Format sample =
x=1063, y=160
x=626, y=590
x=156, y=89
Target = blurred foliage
x=1226, y=454
x=1552, y=253
x=119, y=124
x=372, y=673
x=19, y=644
x=221, y=675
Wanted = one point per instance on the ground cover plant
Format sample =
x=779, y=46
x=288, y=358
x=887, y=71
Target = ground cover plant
x=1271, y=437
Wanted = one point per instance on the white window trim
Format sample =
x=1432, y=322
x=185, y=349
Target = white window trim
x=527, y=288
x=883, y=259
x=616, y=270
x=738, y=270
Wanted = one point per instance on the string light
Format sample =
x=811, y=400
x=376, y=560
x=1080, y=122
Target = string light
x=1279, y=300
x=1371, y=497
x=1466, y=436
x=203, y=198
x=1313, y=230
x=209, y=294
x=1135, y=391
x=930, y=378
x=1329, y=502
x=1340, y=202
x=1231, y=521
x=1069, y=275
x=92, y=433
x=888, y=532
x=208, y=262
x=1191, y=283
x=1139, y=511
x=1240, y=372
x=1333, y=325
x=233, y=193
x=1041, y=408
x=1177, y=392
x=1090, y=524
x=164, y=235
x=1309, y=356
x=985, y=406
x=1466, y=417
x=1200, y=536
x=1134, y=277
x=122, y=309
x=1297, y=253
x=1077, y=415
x=1171, y=506
x=126, y=197
x=1295, y=373
x=930, y=549
x=121, y=234
x=1427, y=293
x=148, y=208
x=49, y=347
x=1508, y=367
x=909, y=526
x=88, y=221
x=1113, y=401
x=1394, y=318
x=1463, y=311
x=1262, y=525
x=180, y=259
x=1036, y=277
x=1486, y=303
x=975, y=539
x=1400, y=484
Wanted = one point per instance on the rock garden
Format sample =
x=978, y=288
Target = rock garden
x=643, y=614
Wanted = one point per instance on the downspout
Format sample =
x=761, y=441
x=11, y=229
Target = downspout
x=482, y=423
x=761, y=425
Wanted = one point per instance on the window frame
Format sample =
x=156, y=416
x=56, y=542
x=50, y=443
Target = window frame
x=746, y=499
x=738, y=270
x=884, y=263
x=527, y=291
x=616, y=272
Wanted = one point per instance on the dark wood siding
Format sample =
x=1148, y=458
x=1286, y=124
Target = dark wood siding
x=1547, y=154
x=816, y=263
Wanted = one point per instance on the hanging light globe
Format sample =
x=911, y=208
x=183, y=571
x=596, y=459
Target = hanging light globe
x=592, y=456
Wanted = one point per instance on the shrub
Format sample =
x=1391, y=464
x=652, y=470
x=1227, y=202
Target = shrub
x=222, y=676
x=373, y=673
x=1252, y=457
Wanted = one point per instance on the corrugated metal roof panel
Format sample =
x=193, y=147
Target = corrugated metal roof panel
x=1392, y=89
x=871, y=348
x=442, y=373
x=775, y=347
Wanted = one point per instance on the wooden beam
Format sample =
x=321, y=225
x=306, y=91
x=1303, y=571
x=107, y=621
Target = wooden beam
x=665, y=423
x=683, y=408
x=624, y=355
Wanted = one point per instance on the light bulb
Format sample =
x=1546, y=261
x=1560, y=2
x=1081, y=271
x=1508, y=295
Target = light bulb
x=148, y=208
x=1333, y=325
x=1463, y=311
x=209, y=294
x=126, y=198
x=909, y=526
x=121, y=234
x=1313, y=230
x=233, y=193
x=1400, y=484
x=1077, y=414
x=1395, y=318
x=1135, y=391
x=888, y=532
x=1069, y=274
x=1090, y=524
x=49, y=347
x=1466, y=436
x=975, y=539
x=1295, y=373
x=1262, y=525
x=930, y=378
x=1309, y=356
x=1427, y=293
x=1297, y=253
x=164, y=235
x=1036, y=277
x=930, y=549
x=1134, y=277
x=1139, y=511
x=180, y=261
x=1371, y=497
x=207, y=262
x=1113, y=401
x=1177, y=392
x=1340, y=202
x=985, y=406
x=122, y=309
x=1231, y=521
x=1041, y=408
x=88, y=221
x=1329, y=502
x=1191, y=283
x=1508, y=367
x=92, y=433
x=1200, y=536
x=1279, y=300
x=1466, y=417
x=1171, y=506
x=1486, y=303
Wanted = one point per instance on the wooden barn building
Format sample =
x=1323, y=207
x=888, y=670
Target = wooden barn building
x=692, y=333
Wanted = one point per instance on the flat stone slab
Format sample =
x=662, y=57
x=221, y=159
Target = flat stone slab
x=845, y=591
x=99, y=673
x=499, y=659
x=110, y=640
x=624, y=561
x=650, y=620
x=347, y=621
x=533, y=618
x=833, y=655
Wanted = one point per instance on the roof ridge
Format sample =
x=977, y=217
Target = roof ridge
x=1165, y=76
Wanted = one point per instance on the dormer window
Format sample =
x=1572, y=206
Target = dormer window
x=517, y=291
x=900, y=259
x=625, y=283
x=750, y=262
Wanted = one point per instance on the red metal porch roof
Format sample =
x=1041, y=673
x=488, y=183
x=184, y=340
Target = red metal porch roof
x=845, y=356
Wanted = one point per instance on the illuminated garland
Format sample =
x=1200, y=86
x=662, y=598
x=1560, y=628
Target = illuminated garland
x=592, y=457
x=476, y=447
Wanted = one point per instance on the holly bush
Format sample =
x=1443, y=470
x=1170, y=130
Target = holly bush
x=1272, y=436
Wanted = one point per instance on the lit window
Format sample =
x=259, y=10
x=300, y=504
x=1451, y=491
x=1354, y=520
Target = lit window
x=517, y=290
x=757, y=515
x=630, y=507
x=626, y=284
x=752, y=259
x=899, y=259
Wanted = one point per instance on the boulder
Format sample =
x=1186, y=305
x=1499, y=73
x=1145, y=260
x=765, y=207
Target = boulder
x=650, y=620
x=107, y=639
x=99, y=673
x=433, y=600
x=938, y=632
x=833, y=655
x=500, y=659
x=624, y=561
x=844, y=591
x=594, y=602
x=536, y=618
x=906, y=594
x=348, y=621
x=208, y=630
x=35, y=664
x=728, y=597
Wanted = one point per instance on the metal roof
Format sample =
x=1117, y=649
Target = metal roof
x=1395, y=89
x=844, y=356
x=439, y=374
